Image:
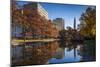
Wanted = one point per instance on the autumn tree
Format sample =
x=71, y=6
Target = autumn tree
x=88, y=22
x=31, y=22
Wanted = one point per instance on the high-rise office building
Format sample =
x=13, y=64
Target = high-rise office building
x=59, y=23
x=37, y=7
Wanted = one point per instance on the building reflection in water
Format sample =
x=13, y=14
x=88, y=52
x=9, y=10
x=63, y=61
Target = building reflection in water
x=66, y=53
x=48, y=53
x=34, y=53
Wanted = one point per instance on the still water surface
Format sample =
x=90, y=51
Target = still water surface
x=50, y=53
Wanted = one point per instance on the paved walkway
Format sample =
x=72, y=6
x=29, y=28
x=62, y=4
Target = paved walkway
x=17, y=41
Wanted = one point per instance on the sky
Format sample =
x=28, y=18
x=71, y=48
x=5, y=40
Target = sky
x=66, y=11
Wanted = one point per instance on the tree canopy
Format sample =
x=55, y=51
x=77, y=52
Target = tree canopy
x=29, y=19
x=88, y=22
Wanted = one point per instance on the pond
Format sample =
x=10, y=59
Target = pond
x=37, y=53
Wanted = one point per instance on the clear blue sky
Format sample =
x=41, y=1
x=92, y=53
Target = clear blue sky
x=65, y=11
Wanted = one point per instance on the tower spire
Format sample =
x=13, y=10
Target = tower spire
x=74, y=23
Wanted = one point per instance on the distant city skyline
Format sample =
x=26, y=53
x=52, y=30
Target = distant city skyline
x=66, y=11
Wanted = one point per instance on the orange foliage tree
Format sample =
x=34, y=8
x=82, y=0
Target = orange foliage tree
x=32, y=22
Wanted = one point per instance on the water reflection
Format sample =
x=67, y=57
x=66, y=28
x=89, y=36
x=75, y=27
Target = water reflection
x=48, y=53
x=70, y=54
x=35, y=53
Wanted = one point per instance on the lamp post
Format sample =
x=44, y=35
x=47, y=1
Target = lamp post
x=23, y=26
x=23, y=30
